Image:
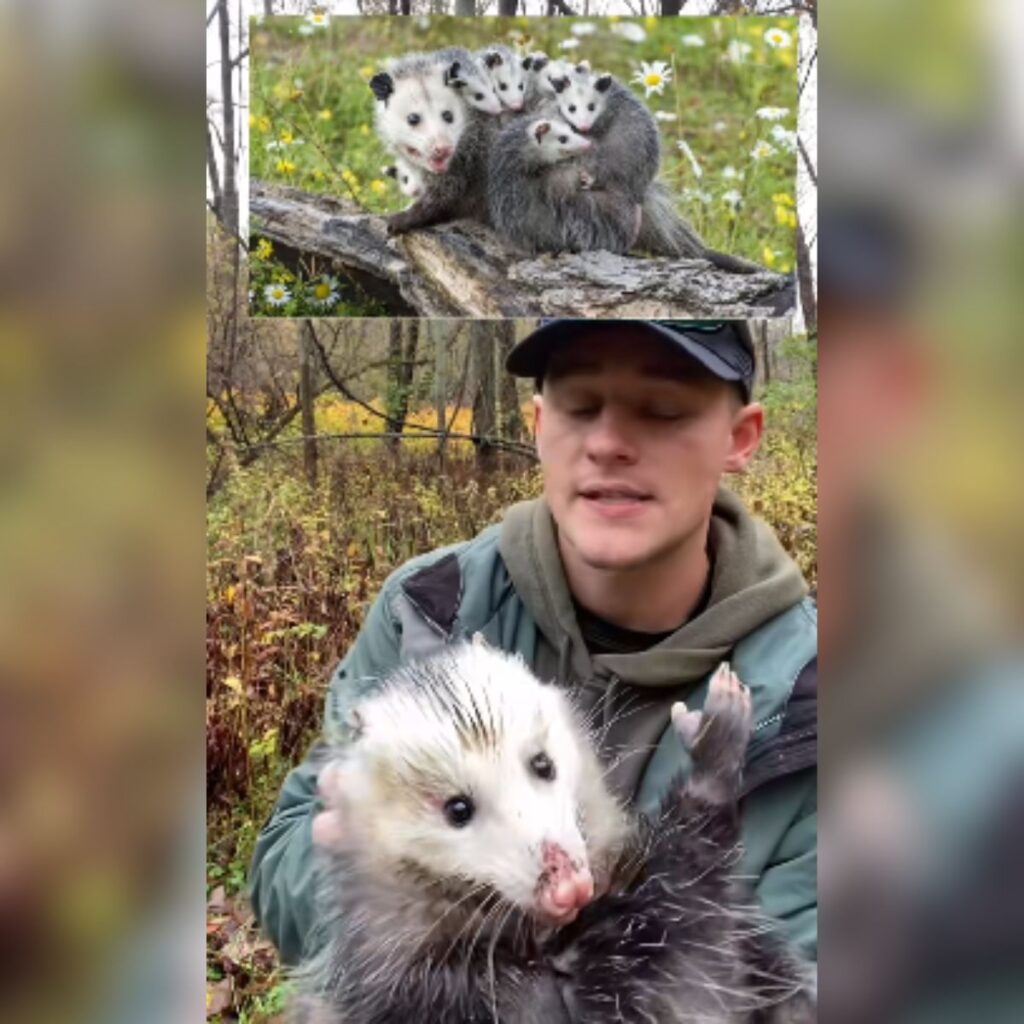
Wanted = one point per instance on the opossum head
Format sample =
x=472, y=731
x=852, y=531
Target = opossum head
x=582, y=96
x=409, y=178
x=419, y=117
x=508, y=73
x=472, y=82
x=468, y=775
x=551, y=141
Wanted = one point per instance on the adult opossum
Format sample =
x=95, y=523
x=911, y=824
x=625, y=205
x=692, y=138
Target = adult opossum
x=542, y=199
x=423, y=120
x=476, y=868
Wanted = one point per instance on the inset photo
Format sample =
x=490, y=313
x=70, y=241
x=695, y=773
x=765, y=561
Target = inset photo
x=518, y=167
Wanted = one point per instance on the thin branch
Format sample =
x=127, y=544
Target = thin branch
x=807, y=161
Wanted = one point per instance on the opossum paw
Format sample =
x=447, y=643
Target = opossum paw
x=586, y=181
x=687, y=723
x=721, y=737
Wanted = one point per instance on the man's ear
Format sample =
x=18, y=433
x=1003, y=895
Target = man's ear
x=538, y=405
x=747, y=428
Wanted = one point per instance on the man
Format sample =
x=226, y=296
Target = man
x=628, y=582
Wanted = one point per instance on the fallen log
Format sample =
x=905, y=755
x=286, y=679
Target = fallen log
x=463, y=269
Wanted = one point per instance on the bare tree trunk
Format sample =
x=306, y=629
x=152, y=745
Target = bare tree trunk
x=465, y=8
x=440, y=389
x=507, y=8
x=482, y=351
x=805, y=279
x=229, y=188
x=766, y=356
x=268, y=7
x=406, y=6
x=401, y=364
x=670, y=8
x=511, y=426
x=306, y=397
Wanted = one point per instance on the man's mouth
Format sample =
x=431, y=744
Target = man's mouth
x=614, y=494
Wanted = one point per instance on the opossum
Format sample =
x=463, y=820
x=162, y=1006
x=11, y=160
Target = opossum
x=627, y=144
x=409, y=178
x=541, y=71
x=541, y=197
x=508, y=73
x=470, y=79
x=423, y=120
x=625, y=156
x=477, y=869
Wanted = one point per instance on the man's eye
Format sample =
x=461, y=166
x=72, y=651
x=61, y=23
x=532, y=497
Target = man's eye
x=658, y=412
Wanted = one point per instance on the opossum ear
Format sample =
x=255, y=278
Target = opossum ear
x=354, y=723
x=391, y=172
x=479, y=640
x=560, y=84
x=451, y=75
x=540, y=129
x=604, y=83
x=539, y=63
x=492, y=58
x=527, y=63
x=583, y=68
x=383, y=85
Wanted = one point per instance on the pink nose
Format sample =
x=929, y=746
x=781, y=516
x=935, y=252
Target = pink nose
x=565, y=885
x=440, y=153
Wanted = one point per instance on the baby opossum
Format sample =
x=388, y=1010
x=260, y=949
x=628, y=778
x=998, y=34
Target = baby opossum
x=508, y=73
x=476, y=868
x=423, y=120
x=468, y=76
x=541, y=71
x=625, y=156
x=409, y=178
x=541, y=197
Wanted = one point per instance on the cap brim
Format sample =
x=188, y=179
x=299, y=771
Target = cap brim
x=530, y=357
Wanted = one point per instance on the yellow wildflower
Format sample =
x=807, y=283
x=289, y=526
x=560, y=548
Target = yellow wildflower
x=783, y=199
x=378, y=187
x=284, y=167
x=324, y=115
x=286, y=138
x=367, y=71
x=364, y=129
x=768, y=255
x=263, y=124
x=252, y=120
x=264, y=250
x=651, y=21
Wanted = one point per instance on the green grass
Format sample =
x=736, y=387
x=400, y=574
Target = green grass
x=311, y=118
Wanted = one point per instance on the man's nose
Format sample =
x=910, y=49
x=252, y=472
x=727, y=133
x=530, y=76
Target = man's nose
x=611, y=437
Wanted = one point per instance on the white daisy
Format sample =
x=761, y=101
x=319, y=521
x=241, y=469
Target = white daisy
x=772, y=113
x=583, y=28
x=719, y=127
x=692, y=40
x=318, y=19
x=761, y=150
x=653, y=76
x=276, y=294
x=684, y=148
x=630, y=31
x=778, y=39
x=324, y=293
x=568, y=44
x=731, y=174
x=423, y=23
x=738, y=51
x=784, y=137
x=732, y=199
x=664, y=115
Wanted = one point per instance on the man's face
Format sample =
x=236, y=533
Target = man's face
x=633, y=438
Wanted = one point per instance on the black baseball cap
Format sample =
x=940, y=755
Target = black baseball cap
x=725, y=348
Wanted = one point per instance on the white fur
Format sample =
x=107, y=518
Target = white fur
x=409, y=178
x=403, y=739
x=439, y=114
x=560, y=142
x=477, y=89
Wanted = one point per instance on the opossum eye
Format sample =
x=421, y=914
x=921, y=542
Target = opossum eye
x=563, y=138
x=572, y=109
x=414, y=119
x=590, y=106
x=459, y=810
x=543, y=767
x=447, y=116
x=503, y=86
x=520, y=86
x=478, y=95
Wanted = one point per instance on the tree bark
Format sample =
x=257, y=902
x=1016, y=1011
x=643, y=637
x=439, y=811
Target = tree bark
x=306, y=397
x=482, y=350
x=465, y=8
x=671, y=8
x=511, y=426
x=507, y=8
x=440, y=389
x=805, y=277
x=229, y=187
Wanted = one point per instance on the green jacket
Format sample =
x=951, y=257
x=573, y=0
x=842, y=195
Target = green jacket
x=507, y=584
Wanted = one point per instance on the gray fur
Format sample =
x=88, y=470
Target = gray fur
x=546, y=208
x=675, y=940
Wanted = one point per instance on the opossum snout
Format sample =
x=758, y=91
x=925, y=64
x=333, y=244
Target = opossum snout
x=565, y=886
x=439, y=157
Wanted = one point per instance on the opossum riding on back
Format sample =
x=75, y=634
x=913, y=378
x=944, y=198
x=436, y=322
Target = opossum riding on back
x=422, y=117
x=476, y=868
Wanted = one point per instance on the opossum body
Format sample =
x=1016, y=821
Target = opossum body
x=465, y=834
x=424, y=121
x=468, y=76
x=542, y=198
